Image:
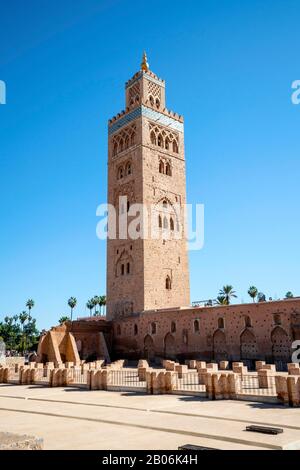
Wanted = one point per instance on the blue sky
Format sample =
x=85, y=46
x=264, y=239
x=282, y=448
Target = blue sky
x=229, y=66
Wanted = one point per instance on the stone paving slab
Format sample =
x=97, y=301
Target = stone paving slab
x=167, y=421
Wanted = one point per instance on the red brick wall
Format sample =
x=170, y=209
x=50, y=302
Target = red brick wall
x=259, y=341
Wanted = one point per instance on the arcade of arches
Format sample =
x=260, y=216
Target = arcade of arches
x=263, y=331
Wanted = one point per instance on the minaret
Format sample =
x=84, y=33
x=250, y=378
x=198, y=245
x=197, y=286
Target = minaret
x=146, y=165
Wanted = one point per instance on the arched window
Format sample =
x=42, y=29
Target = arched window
x=126, y=142
x=165, y=204
x=128, y=268
x=118, y=330
x=132, y=139
x=160, y=140
x=153, y=138
x=153, y=328
x=171, y=224
x=120, y=173
x=128, y=169
x=122, y=269
x=159, y=221
x=157, y=102
x=175, y=146
x=135, y=330
x=248, y=322
x=121, y=145
x=151, y=99
x=161, y=167
x=173, y=327
x=168, y=169
x=115, y=150
x=168, y=283
x=166, y=223
x=185, y=337
x=221, y=323
x=167, y=144
x=196, y=326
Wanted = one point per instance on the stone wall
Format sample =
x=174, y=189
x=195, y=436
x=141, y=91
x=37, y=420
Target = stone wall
x=12, y=360
x=256, y=331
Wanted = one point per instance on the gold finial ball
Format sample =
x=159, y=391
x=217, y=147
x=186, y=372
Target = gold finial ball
x=144, y=64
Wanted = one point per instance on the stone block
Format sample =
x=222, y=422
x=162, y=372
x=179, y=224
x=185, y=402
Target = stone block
x=9, y=441
x=259, y=365
x=224, y=365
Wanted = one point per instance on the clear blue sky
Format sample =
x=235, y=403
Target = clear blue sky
x=228, y=65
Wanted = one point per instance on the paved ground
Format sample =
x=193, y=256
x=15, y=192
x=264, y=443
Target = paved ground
x=68, y=418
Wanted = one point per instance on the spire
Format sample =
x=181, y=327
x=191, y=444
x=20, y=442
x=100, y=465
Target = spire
x=144, y=64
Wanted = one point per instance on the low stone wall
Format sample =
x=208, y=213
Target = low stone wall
x=195, y=377
x=10, y=441
x=12, y=360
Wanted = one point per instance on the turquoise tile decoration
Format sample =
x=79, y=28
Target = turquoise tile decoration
x=148, y=113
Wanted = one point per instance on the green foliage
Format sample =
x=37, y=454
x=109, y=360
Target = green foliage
x=19, y=332
x=221, y=300
x=226, y=294
x=72, y=302
x=289, y=295
x=63, y=319
x=253, y=291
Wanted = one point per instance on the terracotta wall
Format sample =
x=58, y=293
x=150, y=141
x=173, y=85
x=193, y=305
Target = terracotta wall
x=249, y=331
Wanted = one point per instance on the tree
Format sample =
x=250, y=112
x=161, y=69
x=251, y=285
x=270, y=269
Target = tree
x=23, y=317
x=103, y=303
x=90, y=305
x=227, y=293
x=289, y=295
x=96, y=301
x=253, y=291
x=31, y=333
x=17, y=334
x=72, y=302
x=63, y=319
x=221, y=300
x=30, y=305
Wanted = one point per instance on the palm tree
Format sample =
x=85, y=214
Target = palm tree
x=63, y=319
x=96, y=301
x=289, y=295
x=253, y=291
x=23, y=317
x=72, y=302
x=90, y=305
x=221, y=300
x=228, y=293
x=102, y=303
x=30, y=305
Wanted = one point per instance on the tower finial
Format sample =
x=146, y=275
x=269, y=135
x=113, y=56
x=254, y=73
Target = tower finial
x=144, y=64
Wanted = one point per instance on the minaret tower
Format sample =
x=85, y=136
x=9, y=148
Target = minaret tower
x=146, y=165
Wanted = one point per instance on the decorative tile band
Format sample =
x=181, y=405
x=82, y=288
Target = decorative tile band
x=148, y=113
x=151, y=79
